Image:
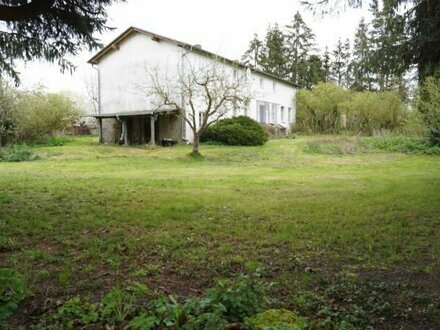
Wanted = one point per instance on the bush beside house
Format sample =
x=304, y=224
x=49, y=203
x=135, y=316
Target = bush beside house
x=239, y=131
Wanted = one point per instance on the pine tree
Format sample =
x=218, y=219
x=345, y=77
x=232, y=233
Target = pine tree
x=272, y=57
x=315, y=72
x=388, y=37
x=300, y=42
x=252, y=55
x=326, y=66
x=361, y=71
x=340, y=64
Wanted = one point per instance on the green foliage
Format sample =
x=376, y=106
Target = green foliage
x=368, y=112
x=317, y=110
x=49, y=30
x=18, y=153
x=39, y=114
x=341, y=145
x=276, y=319
x=229, y=301
x=346, y=303
x=13, y=289
x=427, y=103
x=75, y=312
x=241, y=130
x=8, y=97
x=328, y=108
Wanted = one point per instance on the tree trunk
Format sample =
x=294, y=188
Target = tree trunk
x=195, y=145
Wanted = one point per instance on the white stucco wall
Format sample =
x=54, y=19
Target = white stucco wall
x=122, y=71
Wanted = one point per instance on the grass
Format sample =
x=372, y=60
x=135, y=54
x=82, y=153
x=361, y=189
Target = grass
x=90, y=217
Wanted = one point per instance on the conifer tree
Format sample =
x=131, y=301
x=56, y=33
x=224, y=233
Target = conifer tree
x=326, y=66
x=340, y=63
x=252, y=55
x=272, y=57
x=361, y=71
x=300, y=42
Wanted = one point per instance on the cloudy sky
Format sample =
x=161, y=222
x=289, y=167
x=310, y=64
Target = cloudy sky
x=224, y=27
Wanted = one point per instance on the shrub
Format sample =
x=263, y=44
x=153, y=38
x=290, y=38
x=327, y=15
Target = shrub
x=317, y=109
x=367, y=112
x=18, y=153
x=328, y=108
x=242, y=131
x=39, y=114
x=427, y=103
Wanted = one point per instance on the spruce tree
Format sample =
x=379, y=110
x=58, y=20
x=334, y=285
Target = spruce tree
x=388, y=38
x=300, y=42
x=252, y=56
x=326, y=66
x=340, y=63
x=361, y=71
x=272, y=57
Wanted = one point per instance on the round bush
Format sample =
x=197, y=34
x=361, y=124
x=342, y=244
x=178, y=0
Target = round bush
x=237, y=131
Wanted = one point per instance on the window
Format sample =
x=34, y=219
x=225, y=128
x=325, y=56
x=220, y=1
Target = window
x=274, y=86
x=235, y=74
x=234, y=112
x=261, y=83
x=274, y=113
x=262, y=109
x=282, y=114
x=246, y=112
x=290, y=114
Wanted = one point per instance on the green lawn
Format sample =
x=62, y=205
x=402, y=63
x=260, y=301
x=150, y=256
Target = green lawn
x=87, y=217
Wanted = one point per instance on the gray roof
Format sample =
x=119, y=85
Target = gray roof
x=114, y=45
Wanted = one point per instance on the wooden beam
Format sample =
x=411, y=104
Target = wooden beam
x=153, y=133
x=101, y=139
x=125, y=130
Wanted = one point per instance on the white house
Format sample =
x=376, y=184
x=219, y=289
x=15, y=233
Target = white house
x=127, y=116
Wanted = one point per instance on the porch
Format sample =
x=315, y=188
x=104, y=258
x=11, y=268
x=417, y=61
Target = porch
x=142, y=127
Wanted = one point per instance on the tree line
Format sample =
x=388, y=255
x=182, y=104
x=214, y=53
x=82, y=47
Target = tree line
x=372, y=62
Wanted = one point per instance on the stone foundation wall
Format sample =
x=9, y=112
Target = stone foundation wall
x=111, y=130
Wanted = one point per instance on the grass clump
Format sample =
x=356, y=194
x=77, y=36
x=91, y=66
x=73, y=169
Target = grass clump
x=13, y=290
x=340, y=145
x=238, y=131
x=18, y=153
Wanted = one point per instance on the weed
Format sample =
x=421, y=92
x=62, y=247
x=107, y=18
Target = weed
x=13, y=289
x=18, y=153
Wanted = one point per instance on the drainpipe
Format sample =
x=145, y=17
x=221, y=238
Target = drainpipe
x=101, y=139
x=182, y=100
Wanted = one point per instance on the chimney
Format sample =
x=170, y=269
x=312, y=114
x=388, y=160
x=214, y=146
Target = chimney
x=199, y=46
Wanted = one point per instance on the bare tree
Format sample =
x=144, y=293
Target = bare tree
x=202, y=95
x=91, y=84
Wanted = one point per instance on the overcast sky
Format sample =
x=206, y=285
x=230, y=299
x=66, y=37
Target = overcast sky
x=224, y=27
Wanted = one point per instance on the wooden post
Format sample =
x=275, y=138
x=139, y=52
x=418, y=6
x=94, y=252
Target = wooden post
x=125, y=130
x=142, y=129
x=101, y=139
x=153, y=133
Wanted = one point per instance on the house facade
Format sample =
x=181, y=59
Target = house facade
x=126, y=115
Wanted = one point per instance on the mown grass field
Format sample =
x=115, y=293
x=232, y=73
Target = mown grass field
x=87, y=217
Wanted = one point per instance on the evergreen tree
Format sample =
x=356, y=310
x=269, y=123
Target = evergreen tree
x=340, y=64
x=326, y=66
x=361, y=71
x=252, y=55
x=388, y=38
x=315, y=72
x=48, y=30
x=272, y=57
x=300, y=42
